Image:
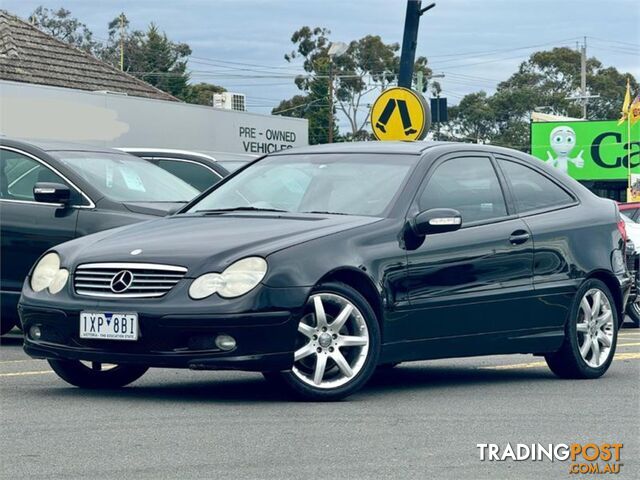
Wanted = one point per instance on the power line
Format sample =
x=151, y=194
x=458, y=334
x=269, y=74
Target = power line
x=503, y=50
x=634, y=45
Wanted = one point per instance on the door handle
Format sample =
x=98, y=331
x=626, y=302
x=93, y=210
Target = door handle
x=519, y=237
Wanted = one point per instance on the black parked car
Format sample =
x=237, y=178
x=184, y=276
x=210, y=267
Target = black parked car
x=197, y=169
x=316, y=265
x=54, y=192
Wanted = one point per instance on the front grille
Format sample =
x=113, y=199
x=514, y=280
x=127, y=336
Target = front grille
x=139, y=280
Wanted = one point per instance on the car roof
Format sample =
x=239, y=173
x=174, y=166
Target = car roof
x=407, y=148
x=165, y=151
x=55, y=146
x=388, y=147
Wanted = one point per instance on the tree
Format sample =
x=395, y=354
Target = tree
x=165, y=63
x=367, y=65
x=544, y=81
x=473, y=119
x=150, y=56
x=314, y=107
x=202, y=93
x=61, y=25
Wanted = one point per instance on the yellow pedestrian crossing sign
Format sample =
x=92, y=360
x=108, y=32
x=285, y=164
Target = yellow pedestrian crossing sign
x=400, y=114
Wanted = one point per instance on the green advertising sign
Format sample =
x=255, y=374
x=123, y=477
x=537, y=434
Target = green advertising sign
x=587, y=150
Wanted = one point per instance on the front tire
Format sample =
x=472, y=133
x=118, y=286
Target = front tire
x=94, y=375
x=338, y=345
x=591, y=334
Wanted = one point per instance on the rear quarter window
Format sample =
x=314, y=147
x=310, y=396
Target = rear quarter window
x=532, y=190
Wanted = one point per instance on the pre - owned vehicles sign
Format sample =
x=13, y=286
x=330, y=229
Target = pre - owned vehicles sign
x=588, y=150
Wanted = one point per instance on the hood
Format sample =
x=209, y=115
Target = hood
x=158, y=209
x=205, y=242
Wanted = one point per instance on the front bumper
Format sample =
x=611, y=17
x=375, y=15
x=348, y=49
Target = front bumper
x=174, y=336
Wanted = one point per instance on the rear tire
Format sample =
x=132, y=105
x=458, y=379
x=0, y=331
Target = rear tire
x=633, y=310
x=338, y=345
x=78, y=374
x=591, y=334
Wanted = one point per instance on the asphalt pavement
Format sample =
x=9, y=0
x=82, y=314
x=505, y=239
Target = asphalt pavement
x=420, y=420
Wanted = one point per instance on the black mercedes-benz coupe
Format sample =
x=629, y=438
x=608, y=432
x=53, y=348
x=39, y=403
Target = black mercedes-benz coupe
x=317, y=265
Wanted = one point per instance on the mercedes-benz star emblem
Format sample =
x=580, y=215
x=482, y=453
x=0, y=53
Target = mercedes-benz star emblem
x=121, y=281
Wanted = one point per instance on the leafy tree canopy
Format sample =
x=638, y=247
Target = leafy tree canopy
x=368, y=64
x=542, y=83
x=149, y=55
x=60, y=24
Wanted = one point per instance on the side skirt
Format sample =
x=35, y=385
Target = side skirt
x=496, y=343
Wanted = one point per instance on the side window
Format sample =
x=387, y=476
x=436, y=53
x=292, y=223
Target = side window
x=631, y=213
x=19, y=174
x=532, y=190
x=467, y=184
x=197, y=176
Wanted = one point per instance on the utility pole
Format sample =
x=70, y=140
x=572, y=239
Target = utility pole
x=122, y=41
x=330, y=134
x=583, y=77
x=410, y=40
x=584, y=95
x=335, y=50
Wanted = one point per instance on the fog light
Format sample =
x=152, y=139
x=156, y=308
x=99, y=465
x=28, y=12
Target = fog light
x=225, y=342
x=35, y=333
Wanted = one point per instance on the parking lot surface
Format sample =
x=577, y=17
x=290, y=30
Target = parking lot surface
x=419, y=420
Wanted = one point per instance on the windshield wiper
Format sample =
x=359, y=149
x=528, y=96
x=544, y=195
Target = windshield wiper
x=240, y=209
x=326, y=213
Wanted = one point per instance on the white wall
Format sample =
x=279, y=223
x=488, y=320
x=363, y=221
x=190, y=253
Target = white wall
x=42, y=112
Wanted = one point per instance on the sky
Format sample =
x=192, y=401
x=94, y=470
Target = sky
x=240, y=44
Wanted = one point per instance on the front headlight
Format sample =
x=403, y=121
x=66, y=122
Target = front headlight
x=48, y=274
x=237, y=279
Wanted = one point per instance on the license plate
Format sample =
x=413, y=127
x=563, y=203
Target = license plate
x=109, y=326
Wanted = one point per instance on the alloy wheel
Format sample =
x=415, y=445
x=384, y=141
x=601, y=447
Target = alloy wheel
x=595, y=328
x=333, y=342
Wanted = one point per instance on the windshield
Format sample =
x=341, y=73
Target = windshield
x=125, y=178
x=351, y=184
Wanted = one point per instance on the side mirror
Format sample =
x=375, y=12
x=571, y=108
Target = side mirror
x=436, y=220
x=48, y=192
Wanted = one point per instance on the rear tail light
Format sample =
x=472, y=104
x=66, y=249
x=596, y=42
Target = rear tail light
x=622, y=228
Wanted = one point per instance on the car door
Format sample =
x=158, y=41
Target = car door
x=28, y=228
x=478, y=279
x=547, y=209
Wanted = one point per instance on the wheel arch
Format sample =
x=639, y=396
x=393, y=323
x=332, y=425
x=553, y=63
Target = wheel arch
x=610, y=280
x=361, y=282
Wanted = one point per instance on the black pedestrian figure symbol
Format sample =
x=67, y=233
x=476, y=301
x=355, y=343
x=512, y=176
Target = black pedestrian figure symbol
x=389, y=108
